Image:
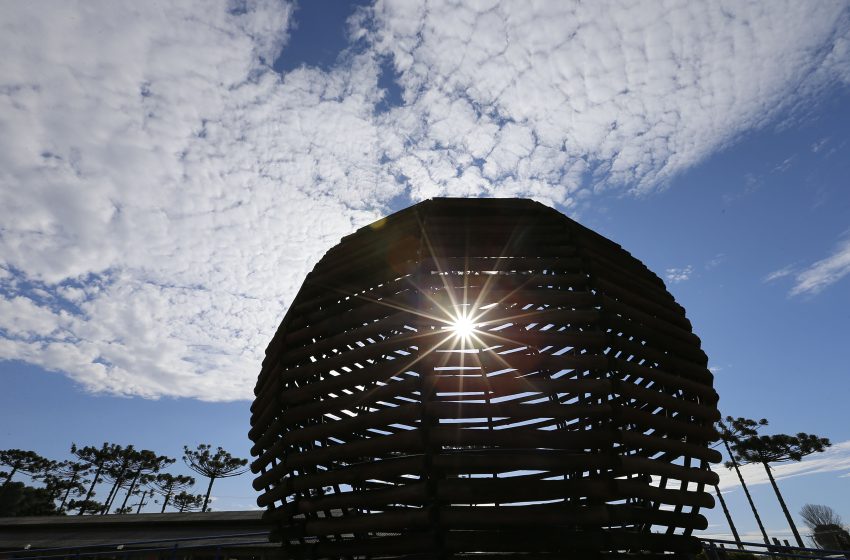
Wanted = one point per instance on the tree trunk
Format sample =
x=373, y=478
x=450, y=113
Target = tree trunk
x=784, y=507
x=141, y=502
x=747, y=492
x=207, y=498
x=165, y=501
x=107, y=503
x=68, y=491
x=132, y=487
x=54, y=495
x=728, y=518
x=91, y=489
x=11, y=474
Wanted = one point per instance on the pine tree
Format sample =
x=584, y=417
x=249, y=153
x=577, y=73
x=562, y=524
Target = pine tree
x=86, y=506
x=219, y=465
x=142, y=501
x=728, y=517
x=72, y=475
x=146, y=464
x=17, y=499
x=166, y=485
x=779, y=448
x=27, y=462
x=97, y=459
x=116, y=470
x=185, y=501
x=731, y=431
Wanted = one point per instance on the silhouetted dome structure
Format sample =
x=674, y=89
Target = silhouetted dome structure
x=489, y=379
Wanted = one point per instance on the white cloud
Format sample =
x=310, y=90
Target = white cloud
x=676, y=275
x=777, y=274
x=834, y=459
x=785, y=165
x=601, y=94
x=168, y=190
x=716, y=261
x=824, y=272
x=819, y=145
x=164, y=192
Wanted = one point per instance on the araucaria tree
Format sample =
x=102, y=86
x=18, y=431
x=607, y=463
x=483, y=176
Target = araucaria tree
x=220, y=464
x=733, y=430
x=70, y=477
x=116, y=470
x=97, y=459
x=185, y=501
x=146, y=464
x=779, y=448
x=166, y=485
x=61, y=480
x=27, y=462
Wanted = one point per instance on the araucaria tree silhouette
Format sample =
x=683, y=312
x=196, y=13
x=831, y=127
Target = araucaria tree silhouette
x=731, y=431
x=166, y=485
x=61, y=479
x=146, y=464
x=185, y=501
x=779, y=448
x=72, y=476
x=116, y=469
x=27, y=462
x=728, y=517
x=97, y=459
x=220, y=464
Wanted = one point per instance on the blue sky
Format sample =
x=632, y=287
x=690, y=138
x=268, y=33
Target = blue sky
x=168, y=175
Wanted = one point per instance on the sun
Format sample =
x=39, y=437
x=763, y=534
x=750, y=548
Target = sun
x=462, y=326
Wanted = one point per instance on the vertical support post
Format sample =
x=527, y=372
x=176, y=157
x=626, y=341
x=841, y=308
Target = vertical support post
x=427, y=387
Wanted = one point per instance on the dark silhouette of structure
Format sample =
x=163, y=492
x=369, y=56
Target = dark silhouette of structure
x=487, y=379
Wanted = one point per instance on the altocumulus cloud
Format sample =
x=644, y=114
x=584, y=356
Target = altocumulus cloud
x=835, y=459
x=164, y=191
x=824, y=272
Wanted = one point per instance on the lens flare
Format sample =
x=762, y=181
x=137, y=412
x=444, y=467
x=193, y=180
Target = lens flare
x=462, y=326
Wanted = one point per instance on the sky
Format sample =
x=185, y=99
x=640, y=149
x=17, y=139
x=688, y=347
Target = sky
x=169, y=173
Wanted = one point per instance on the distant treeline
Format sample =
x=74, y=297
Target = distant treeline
x=126, y=477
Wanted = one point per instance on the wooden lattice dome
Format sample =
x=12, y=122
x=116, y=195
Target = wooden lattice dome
x=483, y=379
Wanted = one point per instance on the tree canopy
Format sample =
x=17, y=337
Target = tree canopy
x=827, y=529
x=27, y=462
x=778, y=448
x=185, y=501
x=17, y=499
x=119, y=472
x=733, y=429
x=220, y=464
x=166, y=484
